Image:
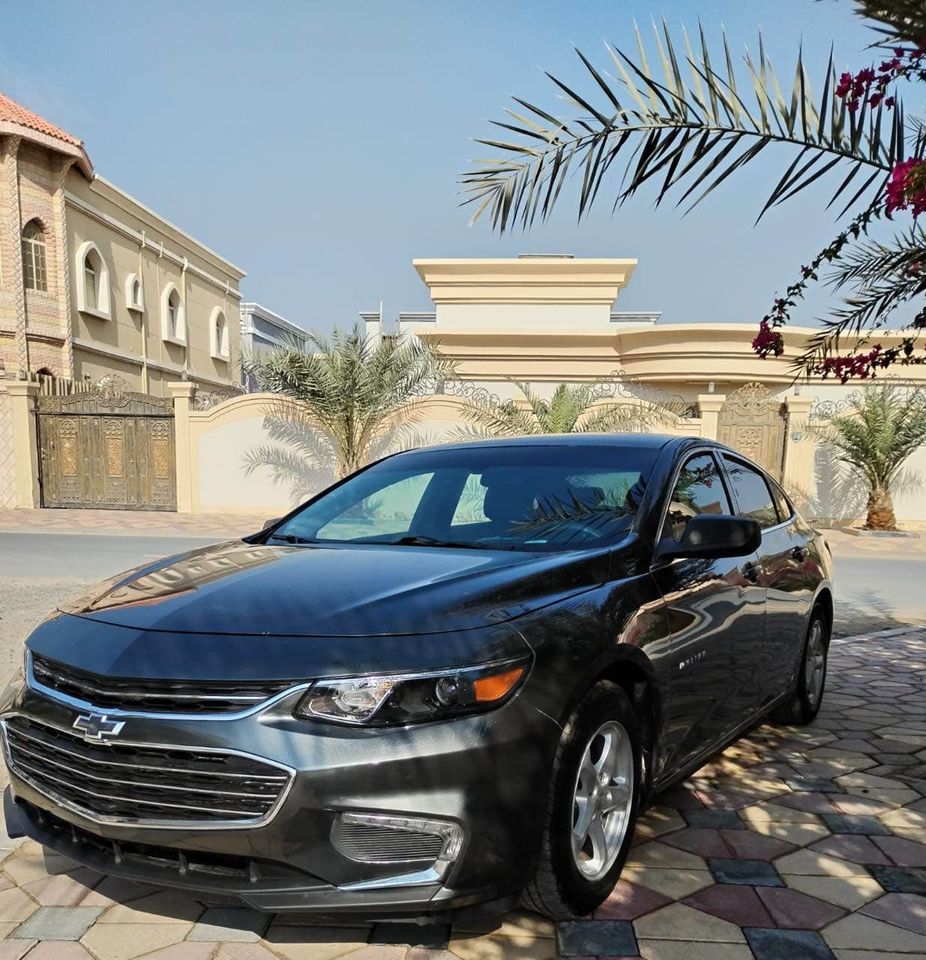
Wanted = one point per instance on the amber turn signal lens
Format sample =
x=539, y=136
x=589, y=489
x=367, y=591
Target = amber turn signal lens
x=488, y=689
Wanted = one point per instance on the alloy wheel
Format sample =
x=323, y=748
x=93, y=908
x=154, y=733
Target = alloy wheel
x=602, y=800
x=815, y=663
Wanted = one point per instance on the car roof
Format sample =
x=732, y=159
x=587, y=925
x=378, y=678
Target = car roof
x=644, y=441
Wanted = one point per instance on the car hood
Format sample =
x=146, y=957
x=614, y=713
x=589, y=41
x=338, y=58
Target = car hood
x=336, y=590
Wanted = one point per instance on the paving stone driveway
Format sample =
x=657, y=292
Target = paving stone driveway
x=794, y=844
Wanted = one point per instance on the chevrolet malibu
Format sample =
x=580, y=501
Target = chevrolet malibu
x=449, y=680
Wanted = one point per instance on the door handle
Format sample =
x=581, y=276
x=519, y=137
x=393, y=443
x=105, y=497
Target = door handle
x=751, y=572
x=799, y=554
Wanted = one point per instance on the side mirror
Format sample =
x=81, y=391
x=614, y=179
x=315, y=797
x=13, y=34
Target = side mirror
x=714, y=535
x=271, y=523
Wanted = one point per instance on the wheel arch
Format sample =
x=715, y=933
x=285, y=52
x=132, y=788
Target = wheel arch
x=632, y=671
x=824, y=600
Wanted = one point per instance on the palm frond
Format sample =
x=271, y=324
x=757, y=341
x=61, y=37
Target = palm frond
x=573, y=408
x=876, y=436
x=353, y=387
x=899, y=20
x=882, y=276
x=685, y=127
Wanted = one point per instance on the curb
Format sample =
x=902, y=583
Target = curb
x=879, y=634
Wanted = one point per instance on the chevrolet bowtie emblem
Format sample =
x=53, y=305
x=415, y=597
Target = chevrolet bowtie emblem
x=98, y=727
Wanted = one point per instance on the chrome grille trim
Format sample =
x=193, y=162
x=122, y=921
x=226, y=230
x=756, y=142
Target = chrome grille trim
x=199, y=698
x=160, y=769
x=291, y=688
x=31, y=768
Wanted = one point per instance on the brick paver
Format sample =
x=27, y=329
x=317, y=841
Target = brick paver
x=794, y=844
x=219, y=525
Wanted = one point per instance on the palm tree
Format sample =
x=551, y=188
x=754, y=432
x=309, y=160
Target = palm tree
x=883, y=427
x=682, y=123
x=353, y=389
x=573, y=408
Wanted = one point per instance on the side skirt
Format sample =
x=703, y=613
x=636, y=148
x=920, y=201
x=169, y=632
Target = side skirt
x=676, y=776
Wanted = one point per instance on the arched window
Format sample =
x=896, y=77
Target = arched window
x=173, y=319
x=134, y=293
x=35, y=275
x=218, y=335
x=92, y=279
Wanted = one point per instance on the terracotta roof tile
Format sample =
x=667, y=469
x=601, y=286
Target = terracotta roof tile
x=12, y=112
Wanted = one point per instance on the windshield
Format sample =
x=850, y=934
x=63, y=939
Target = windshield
x=521, y=497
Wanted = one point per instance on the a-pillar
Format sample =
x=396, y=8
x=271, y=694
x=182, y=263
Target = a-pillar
x=26, y=488
x=709, y=405
x=182, y=394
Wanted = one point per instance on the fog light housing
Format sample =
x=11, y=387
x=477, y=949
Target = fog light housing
x=384, y=838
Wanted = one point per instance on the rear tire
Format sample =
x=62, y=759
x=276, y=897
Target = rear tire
x=804, y=704
x=591, y=808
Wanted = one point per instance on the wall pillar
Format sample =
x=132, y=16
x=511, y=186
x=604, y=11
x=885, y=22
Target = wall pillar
x=799, y=447
x=63, y=286
x=182, y=394
x=709, y=404
x=14, y=269
x=25, y=444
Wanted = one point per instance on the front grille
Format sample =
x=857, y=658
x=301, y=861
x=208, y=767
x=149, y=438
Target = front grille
x=381, y=844
x=154, y=696
x=138, y=784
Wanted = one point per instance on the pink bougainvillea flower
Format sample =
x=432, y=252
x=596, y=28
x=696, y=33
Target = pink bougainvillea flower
x=768, y=341
x=906, y=188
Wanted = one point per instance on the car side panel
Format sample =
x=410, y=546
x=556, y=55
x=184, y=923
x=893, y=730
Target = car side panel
x=716, y=621
x=791, y=577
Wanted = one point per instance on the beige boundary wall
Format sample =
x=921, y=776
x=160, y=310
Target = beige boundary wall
x=258, y=453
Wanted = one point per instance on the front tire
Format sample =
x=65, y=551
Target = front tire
x=804, y=704
x=591, y=808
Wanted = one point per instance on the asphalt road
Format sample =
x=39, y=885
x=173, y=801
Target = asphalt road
x=877, y=592
x=37, y=570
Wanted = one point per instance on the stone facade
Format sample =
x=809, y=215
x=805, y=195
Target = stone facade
x=149, y=339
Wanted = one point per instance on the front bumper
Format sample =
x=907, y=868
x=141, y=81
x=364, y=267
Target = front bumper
x=483, y=773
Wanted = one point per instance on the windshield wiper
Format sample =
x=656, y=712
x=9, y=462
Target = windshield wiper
x=419, y=540
x=291, y=538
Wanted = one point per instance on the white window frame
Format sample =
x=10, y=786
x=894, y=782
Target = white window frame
x=173, y=333
x=219, y=347
x=34, y=255
x=131, y=303
x=101, y=308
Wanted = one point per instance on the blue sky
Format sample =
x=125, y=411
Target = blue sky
x=317, y=144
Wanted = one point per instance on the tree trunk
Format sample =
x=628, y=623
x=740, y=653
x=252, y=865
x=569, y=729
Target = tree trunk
x=880, y=511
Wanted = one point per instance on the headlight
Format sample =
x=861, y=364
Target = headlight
x=398, y=700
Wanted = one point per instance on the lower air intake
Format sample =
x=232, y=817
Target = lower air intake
x=384, y=843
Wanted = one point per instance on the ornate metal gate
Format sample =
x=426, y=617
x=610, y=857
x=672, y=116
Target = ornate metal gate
x=753, y=422
x=108, y=449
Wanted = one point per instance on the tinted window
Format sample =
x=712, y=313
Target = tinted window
x=699, y=489
x=387, y=511
x=782, y=503
x=516, y=497
x=751, y=492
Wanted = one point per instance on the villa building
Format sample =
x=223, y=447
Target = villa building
x=94, y=283
x=263, y=330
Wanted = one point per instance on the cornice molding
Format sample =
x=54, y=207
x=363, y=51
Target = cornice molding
x=145, y=243
x=525, y=280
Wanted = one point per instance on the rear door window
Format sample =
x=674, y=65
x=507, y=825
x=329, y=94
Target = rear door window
x=782, y=503
x=753, y=497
